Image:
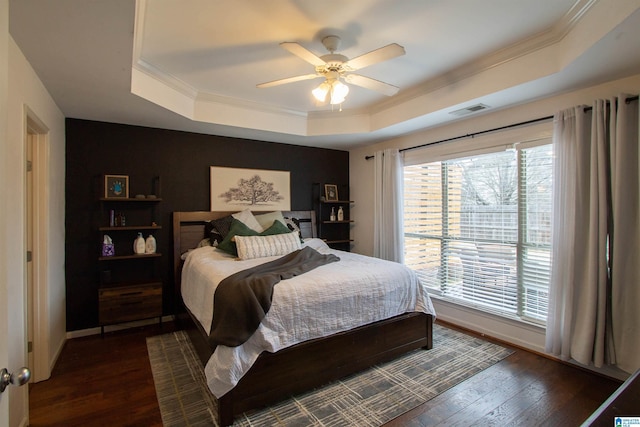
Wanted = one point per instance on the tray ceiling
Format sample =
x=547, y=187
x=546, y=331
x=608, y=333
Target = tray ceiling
x=195, y=65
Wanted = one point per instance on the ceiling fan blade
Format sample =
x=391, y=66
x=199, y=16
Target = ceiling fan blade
x=303, y=53
x=372, y=84
x=288, y=80
x=383, y=54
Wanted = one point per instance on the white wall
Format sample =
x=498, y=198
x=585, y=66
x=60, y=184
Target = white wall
x=361, y=177
x=26, y=90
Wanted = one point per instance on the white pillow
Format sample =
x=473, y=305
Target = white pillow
x=317, y=244
x=250, y=247
x=246, y=217
x=206, y=242
x=266, y=220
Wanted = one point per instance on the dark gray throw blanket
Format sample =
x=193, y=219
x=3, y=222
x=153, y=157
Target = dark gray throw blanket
x=243, y=299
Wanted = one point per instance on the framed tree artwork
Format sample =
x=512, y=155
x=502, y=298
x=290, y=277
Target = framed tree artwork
x=255, y=189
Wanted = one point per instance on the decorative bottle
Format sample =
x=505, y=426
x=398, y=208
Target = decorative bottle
x=340, y=214
x=150, y=245
x=332, y=217
x=139, y=245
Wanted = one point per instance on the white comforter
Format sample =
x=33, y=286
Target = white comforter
x=332, y=298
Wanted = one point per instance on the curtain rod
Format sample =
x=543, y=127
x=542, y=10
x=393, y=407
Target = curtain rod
x=471, y=135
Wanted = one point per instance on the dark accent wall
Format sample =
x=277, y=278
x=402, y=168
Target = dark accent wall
x=182, y=160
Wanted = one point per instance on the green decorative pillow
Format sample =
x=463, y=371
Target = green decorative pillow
x=238, y=228
x=276, y=228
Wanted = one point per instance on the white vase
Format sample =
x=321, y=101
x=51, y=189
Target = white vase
x=139, y=245
x=150, y=245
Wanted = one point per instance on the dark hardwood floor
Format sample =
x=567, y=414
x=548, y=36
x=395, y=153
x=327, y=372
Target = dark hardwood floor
x=100, y=382
x=107, y=382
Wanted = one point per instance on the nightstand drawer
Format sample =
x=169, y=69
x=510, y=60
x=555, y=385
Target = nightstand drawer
x=127, y=303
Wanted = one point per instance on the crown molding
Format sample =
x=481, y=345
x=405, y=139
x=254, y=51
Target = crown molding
x=167, y=79
x=247, y=104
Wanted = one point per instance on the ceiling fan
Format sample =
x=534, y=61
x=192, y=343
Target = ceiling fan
x=335, y=67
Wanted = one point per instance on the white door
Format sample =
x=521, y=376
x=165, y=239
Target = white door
x=4, y=355
x=4, y=320
x=13, y=401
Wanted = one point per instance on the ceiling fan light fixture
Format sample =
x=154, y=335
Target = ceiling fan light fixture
x=320, y=93
x=339, y=92
x=334, y=89
x=334, y=67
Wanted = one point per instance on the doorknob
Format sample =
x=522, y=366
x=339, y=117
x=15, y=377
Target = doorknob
x=19, y=378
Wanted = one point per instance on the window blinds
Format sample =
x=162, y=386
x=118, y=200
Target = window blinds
x=477, y=229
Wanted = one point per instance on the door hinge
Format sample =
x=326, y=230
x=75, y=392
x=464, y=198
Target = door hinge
x=29, y=165
x=30, y=347
x=29, y=256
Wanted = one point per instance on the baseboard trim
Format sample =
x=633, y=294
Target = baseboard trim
x=55, y=357
x=510, y=333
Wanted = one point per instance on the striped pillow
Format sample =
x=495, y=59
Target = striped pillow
x=250, y=247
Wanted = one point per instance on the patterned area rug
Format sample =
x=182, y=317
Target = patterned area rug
x=370, y=398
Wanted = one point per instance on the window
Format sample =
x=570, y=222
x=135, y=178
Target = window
x=478, y=229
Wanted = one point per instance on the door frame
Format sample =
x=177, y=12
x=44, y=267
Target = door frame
x=36, y=134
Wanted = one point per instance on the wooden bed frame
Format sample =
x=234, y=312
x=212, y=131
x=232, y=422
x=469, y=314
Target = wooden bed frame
x=304, y=366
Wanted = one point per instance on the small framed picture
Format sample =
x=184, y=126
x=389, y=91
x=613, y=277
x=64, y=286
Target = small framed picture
x=116, y=186
x=331, y=192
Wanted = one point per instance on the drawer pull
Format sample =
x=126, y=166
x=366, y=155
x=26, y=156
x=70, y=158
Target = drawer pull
x=132, y=303
x=128, y=294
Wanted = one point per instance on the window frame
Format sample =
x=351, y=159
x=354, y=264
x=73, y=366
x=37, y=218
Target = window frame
x=519, y=139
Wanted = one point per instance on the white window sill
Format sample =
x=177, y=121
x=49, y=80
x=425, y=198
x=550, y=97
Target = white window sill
x=513, y=331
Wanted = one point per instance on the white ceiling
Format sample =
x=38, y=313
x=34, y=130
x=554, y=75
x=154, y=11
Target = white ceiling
x=193, y=65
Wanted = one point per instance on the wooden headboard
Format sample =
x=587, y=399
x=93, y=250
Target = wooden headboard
x=188, y=231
